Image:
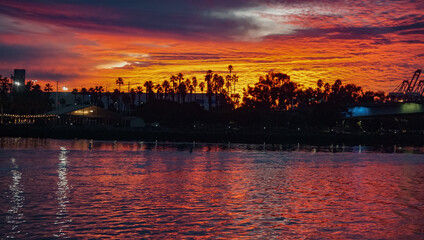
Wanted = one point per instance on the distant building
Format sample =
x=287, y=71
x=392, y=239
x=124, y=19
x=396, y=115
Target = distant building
x=19, y=80
x=68, y=98
x=396, y=109
x=88, y=115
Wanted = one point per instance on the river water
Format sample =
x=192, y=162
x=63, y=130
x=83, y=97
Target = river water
x=84, y=189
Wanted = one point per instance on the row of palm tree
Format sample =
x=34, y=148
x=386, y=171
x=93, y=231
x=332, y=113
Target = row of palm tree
x=12, y=101
x=277, y=91
x=179, y=87
x=272, y=91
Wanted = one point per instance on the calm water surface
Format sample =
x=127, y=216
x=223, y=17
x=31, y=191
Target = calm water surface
x=57, y=188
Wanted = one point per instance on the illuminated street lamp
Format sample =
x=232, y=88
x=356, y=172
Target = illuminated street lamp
x=64, y=88
x=17, y=84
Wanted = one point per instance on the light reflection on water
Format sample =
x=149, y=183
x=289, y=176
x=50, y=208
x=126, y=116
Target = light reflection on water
x=62, y=193
x=58, y=188
x=15, y=216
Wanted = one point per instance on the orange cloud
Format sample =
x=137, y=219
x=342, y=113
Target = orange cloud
x=375, y=46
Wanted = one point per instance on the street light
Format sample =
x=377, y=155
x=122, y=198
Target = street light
x=17, y=84
x=65, y=88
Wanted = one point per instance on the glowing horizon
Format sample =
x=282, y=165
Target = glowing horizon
x=80, y=44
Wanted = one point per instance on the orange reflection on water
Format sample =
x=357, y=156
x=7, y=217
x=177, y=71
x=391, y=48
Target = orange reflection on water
x=163, y=192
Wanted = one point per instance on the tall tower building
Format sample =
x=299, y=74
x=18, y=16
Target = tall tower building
x=19, y=80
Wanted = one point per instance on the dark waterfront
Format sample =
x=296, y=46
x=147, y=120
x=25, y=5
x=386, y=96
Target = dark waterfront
x=61, y=188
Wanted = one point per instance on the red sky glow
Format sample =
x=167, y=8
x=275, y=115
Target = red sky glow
x=375, y=44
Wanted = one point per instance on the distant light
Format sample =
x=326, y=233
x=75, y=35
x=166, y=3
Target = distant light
x=17, y=84
x=65, y=89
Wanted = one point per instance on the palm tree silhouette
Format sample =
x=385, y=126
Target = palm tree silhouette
x=29, y=85
x=320, y=83
x=194, y=82
x=209, y=87
x=191, y=89
x=133, y=94
x=83, y=92
x=188, y=84
x=120, y=82
x=159, y=91
x=202, y=87
x=36, y=88
x=235, y=79
x=98, y=92
x=139, y=92
x=228, y=83
x=219, y=86
x=75, y=92
x=91, y=94
x=48, y=88
x=5, y=85
x=166, y=87
x=173, y=79
x=149, y=89
x=180, y=78
x=182, y=90
x=230, y=68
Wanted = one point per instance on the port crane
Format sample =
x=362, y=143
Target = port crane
x=409, y=90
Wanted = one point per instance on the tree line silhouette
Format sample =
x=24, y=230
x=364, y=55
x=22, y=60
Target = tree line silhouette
x=273, y=91
x=274, y=101
x=219, y=91
x=31, y=100
x=277, y=91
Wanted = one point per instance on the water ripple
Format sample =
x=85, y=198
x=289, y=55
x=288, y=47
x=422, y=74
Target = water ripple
x=119, y=190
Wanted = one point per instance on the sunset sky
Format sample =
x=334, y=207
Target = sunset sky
x=375, y=44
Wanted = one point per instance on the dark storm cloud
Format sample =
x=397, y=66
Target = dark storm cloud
x=182, y=17
x=419, y=32
x=208, y=19
x=51, y=75
x=17, y=53
x=413, y=41
x=46, y=75
x=21, y=53
x=186, y=18
x=361, y=32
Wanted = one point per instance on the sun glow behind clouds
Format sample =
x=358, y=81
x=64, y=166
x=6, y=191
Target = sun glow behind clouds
x=276, y=19
x=113, y=65
x=261, y=20
x=361, y=42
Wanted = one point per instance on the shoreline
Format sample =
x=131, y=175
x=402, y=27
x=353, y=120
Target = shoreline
x=217, y=135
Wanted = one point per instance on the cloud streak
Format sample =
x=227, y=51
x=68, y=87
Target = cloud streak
x=86, y=42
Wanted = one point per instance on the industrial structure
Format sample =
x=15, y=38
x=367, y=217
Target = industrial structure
x=409, y=90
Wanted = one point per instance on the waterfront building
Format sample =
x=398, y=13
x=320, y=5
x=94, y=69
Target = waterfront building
x=88, y=115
